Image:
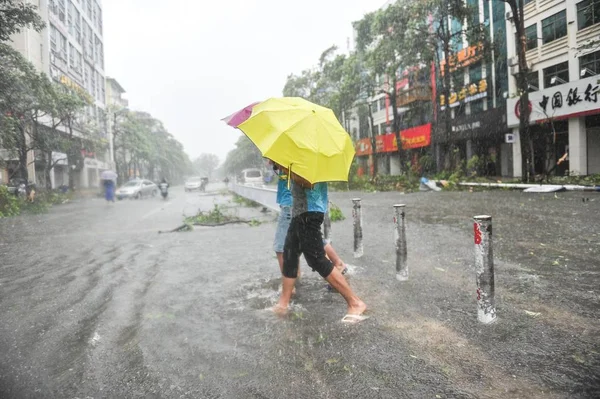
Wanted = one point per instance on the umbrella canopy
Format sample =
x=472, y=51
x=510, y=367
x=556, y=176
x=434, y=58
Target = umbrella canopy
x=239, y=116
x=108, y=175
x=302, y=136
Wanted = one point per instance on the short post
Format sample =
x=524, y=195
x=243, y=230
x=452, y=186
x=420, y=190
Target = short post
x=400, y=236
x=327, y=225
x=358, y=232
x=484, y=266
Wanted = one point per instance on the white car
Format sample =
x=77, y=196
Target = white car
x=195, y=183
x=252, y=176
x=137, y=189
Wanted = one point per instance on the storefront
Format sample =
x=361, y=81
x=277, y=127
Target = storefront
x=567, y=116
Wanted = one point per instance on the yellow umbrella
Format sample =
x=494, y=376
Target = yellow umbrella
x=303, y=136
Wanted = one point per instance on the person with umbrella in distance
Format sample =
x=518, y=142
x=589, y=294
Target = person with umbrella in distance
x=109, y=181
x=312, y=148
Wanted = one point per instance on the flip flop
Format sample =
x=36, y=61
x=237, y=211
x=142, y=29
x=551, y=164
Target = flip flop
x=354, y=318
x=345, y=270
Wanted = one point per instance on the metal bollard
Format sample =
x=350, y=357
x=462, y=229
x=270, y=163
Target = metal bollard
x=327, y=225
x=400, y=236
x=484, y=267
x=358, y=232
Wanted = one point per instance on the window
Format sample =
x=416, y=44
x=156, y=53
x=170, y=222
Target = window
x=531, y=37
x=93, y=85
x=89, y=50
x=477, y=106
x=71, y=56
x=475, y=74
x=376, y=130
x=589, y=64
x=99, y=18
x=54, y=34
x=554, y=27
x=88, y=8
x=383, y=128
x=588, y=13
x=87, y=73
x=533, y=79
x=382, y=103
x=53, y=7
x=62, y=10
x=78, y=61
x=97, y=45
x=556, y=74
x=527, y=1
x=63, y=46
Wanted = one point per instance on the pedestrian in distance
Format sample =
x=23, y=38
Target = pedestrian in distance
x=309, y=204
x=109, y=190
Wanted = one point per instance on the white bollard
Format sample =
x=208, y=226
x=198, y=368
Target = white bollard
x=400, y=237
x=484, y=267
x=358, y=232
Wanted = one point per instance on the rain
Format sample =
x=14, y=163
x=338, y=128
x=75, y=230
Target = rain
x=149, y=226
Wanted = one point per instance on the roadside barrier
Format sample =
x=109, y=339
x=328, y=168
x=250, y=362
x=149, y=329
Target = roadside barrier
x=484, y=269
x=400, y=238
x=358, y=231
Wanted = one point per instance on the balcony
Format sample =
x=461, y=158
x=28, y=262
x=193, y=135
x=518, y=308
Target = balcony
x=418, y=93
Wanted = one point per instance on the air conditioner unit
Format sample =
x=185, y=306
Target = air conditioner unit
x=509, y=16
x=512, y=61
x=514, y=69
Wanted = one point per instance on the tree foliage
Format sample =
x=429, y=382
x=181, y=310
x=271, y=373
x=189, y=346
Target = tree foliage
x=145, y=148
x=16, y=15
x=244, y=155
x=206, y=164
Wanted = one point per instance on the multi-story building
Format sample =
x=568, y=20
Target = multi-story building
x=563, y=55
x=115, y=105
x=70, y=50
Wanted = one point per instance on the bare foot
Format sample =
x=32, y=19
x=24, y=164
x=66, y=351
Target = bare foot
x=279, y=310
x=357, y=308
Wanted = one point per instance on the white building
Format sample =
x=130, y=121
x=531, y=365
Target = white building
x=71, y=51
x=115, y=105
x=563, y=42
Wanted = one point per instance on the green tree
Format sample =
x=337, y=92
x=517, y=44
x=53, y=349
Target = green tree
x=244, y=155
x=16, y=15
x=388, y=45
x=206, y=164
x=441, y=26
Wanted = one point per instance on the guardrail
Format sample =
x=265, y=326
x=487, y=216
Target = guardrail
x=263, y=195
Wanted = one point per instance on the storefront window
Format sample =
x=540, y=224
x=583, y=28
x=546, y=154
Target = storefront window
x=589, y=64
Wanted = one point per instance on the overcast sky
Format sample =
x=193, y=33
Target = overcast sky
x=192, y=62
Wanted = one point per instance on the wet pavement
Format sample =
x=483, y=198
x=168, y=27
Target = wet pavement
x=94, y=303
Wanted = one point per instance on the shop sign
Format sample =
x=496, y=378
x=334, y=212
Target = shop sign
x=386, y=143
x=363, y=147
x=571, y=99
x=416, y=137
x=472, y=92
x=463, y=58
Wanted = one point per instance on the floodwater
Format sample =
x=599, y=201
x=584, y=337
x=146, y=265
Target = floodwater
x=95, y=303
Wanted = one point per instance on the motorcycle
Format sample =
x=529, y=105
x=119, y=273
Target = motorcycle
x=164, y=190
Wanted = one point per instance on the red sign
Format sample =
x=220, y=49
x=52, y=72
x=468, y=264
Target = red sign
x=416, y=137
x=386, y=143
x=363, y=147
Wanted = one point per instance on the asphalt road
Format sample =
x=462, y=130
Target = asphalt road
x=94, y=303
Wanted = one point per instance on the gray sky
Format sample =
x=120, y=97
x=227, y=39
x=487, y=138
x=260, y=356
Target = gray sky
x=192, y=62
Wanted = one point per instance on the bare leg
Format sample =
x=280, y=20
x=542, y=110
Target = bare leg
x=286, y=294
x=334, y=257
x=355, y=305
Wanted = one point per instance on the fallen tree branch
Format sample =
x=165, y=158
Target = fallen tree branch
x=186, y=226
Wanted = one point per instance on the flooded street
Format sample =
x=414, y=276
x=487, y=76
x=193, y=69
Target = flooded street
x=94, y=303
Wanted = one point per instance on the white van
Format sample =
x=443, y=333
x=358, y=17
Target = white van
x=251, y=176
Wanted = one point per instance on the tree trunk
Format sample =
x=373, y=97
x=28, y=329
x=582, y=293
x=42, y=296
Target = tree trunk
x=373, y=142
x=396, y=124
x=527, y=160
x=48, y=169
x=22, y=152
x=447, y=112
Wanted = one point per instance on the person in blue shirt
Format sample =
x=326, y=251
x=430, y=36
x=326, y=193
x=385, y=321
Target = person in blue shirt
x=284, y=200
x=309, y=204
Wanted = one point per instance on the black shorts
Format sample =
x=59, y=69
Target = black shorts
x=304, y=237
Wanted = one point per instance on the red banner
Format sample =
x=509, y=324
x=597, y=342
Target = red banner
x=416, y=137
x=363, y=147
x=386, y=142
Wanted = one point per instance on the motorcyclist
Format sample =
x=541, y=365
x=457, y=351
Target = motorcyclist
x=164, y=188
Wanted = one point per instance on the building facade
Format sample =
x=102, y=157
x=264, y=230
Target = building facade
x=115, y=105
x=70, y=50
x=563, y=55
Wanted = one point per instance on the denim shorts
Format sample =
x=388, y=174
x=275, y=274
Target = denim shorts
x=283, y=224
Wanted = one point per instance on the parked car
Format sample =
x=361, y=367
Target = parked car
x=137, y=189
x=195, y=183
x=251, y=176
